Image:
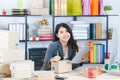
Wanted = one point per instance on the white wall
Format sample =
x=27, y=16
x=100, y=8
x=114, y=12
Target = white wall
x=114, y=21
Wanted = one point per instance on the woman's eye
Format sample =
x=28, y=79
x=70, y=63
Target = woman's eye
x=67, y=31
x=61, y=32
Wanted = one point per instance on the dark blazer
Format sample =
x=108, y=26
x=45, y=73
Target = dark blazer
x=52, y=51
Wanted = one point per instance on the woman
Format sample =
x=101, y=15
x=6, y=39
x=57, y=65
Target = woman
x=63, y=47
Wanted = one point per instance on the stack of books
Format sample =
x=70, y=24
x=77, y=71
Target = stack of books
x=20, y=12
x=80, y=30
x=45, y=34
x=95, y=30
x=97, y=53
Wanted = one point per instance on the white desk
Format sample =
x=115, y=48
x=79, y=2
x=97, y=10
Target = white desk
x=73, y=76
x=76, y=75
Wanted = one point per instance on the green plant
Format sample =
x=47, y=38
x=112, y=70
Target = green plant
x=107, y=8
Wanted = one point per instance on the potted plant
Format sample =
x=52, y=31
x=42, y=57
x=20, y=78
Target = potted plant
x=107, y=9
x=43, y=23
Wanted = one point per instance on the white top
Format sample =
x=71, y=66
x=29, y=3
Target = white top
x=66, y=55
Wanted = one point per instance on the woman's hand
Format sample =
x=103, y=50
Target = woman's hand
x=85, y=57
x=55, y=59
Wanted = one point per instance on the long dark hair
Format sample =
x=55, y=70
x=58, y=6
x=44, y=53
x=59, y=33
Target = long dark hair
x=71, y=41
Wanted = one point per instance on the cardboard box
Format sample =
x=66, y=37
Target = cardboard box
x=22, y=69
x=39, y=11
x=8, y=39
x=61, y=66
x=7, y=55
x=5, y=68
x=17, y=78
x=22, y=74
x=26, y=65
x=44, y=75
x=38, y=4
x=85, y=72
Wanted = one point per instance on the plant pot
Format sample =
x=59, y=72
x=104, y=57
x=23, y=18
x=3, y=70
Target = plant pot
x=43, y=26
x=108, y=12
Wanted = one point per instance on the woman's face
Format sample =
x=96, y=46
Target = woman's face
x=63, y=34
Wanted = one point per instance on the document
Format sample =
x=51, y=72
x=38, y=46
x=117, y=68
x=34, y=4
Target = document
x=79, y=55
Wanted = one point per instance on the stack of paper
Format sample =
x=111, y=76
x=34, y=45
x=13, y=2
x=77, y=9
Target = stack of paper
x=22, y=69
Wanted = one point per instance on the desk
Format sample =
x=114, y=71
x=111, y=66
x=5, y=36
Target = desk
x=76, y=74
x=104, y=76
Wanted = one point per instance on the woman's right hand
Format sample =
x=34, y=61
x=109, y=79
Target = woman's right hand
x=55, y=59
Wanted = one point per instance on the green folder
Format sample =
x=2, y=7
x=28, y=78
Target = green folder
x=69, y=7
x=95, y=54
x=77, y=7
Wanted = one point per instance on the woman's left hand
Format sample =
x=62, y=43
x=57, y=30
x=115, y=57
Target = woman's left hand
x=85, y=57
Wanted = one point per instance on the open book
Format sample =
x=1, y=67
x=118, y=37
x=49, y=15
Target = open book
x=79, y=55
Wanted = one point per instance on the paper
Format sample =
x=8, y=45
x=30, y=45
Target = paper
x=79, y=55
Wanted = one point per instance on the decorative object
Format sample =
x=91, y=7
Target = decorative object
x=19, y=4
x=34, y=38
x=43, y=23
x=86, y=7
x=110, y=31
x=107, y=9
x=3, y=12
x=92, y=73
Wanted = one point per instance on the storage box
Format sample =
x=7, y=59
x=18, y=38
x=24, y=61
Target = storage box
x=7, y=55
x=22, y=74
x=44, y=75
x=8, y=39
x=61, y=66
x=5, y=68
x=39, y=11
x=17, y=78
x=22, y=69
x=26, y=65
x=38, y=3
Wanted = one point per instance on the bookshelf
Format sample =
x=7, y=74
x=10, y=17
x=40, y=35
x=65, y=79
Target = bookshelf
x=104, y=40
x=74, y=18
x=53, y=19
